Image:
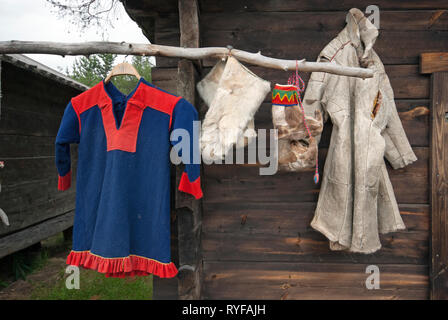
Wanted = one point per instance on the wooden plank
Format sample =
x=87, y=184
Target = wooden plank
x=421, y=20
x=38, y=103
x=433, y=62
x=31, y=84
x=20, y=146
x=249, y=218
x=34, y=201
x=242, y=183
x=314, y=5
x=285, y=281
x=165, y=74
x=166, y=78
x=439, y=180
x=311, y=246
x=188, y=210
x=406, y=82
x=25, y=238
x=28, y=123
x=168, y=22
x=394, y=47
x=18, y=171
x=266, y=231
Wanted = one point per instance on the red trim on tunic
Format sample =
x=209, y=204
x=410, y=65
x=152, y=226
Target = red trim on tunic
x=160, y=100
x=124, y=138
x=131, y=265
x=193, y=188
x=88, y=99
x=65, y=182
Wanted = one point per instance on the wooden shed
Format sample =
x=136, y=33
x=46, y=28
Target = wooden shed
x=250, y=237
x=32, y=100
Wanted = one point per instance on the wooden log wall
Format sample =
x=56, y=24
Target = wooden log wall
x=188, y=210
x=31, y=110
x=256, y=235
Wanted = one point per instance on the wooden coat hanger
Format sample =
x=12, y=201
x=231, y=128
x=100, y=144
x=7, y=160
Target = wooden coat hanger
x=123, y=68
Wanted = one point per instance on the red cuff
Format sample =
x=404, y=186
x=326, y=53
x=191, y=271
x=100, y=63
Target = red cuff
x=65, y=181
x=193, y=188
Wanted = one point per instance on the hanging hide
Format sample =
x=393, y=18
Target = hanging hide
x=297, y=149
x=233, y=94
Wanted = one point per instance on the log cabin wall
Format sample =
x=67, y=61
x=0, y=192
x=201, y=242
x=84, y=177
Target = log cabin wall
x=33, y=100
x=256, y=236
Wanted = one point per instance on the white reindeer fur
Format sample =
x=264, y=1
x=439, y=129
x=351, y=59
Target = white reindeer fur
x=234, y=95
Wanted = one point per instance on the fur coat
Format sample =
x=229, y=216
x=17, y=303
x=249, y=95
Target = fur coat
x=356, y=200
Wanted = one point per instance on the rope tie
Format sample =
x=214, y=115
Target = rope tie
x=296, y=81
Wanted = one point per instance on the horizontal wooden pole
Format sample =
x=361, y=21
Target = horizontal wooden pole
x=88, y=48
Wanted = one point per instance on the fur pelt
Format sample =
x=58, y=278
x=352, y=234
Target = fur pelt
x=233, y=94
x=296, y=150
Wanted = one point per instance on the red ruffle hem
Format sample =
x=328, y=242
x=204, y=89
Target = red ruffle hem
x=122, y=267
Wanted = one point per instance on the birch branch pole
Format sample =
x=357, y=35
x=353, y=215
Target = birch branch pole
x=88, y=48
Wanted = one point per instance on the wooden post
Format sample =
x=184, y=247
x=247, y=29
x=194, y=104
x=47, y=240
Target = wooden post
x=188, y=210
x=436, y=64
x=439, y=180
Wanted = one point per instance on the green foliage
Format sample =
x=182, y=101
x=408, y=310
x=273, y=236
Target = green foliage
x=3, y=284
x=20, y=266
x=91, y=70
x=25, y=262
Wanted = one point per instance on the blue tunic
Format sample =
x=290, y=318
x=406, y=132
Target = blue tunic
x=122, y=217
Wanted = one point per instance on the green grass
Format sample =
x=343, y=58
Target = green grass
x=50, y=285
x=95, y=286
